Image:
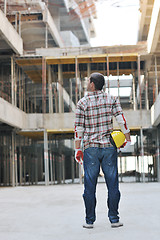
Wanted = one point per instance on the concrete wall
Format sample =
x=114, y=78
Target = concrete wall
x=155, y=112
x=12, y=115
x=135, y=119
x=10, y=35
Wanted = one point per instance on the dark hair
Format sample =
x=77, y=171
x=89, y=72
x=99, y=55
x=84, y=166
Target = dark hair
x=98, y=80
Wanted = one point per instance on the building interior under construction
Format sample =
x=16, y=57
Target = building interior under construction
x=45, y=60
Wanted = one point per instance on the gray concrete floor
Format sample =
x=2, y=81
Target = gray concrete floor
x=57, y=213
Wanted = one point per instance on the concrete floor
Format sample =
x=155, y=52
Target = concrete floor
x=57, y=213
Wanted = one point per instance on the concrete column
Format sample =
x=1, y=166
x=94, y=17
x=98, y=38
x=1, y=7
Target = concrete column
x=108, y=73
x=20, y=167
x=156, y=78
x=46, y=36
x=60, y=88
x=88, y=69
x=139, y=81
x=142, y=156
x=118, y=79
x=51, y=167
x=19, y=24
x=76, y=75
x=12, y=161
x=15, y=162
x=43, y=85
x=5, y=7
x=134, y=95
x=158, y=157
x=15, y=87
x=12, y=80
x=70, y=93
x=46, y=165
x=50, y=90
x=51, y=160
x=16, y=21
x=146, y=92
x=63, y=168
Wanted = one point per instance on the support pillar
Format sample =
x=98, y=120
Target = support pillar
x=108, y=73
x=12, y=161
x=5, y=7
x=146, y=92
x=12, y=81
x=134, y=95
x=139, y=81
x=88, y=69
x=118, y=83
x=50, y=90
x=60, y=88
x=43, y=85
x=46, y=166
x=19, y=24
x=76, y=75
x=142, y=156
x=156, y=78
x=158, y=158
x=70, y=93
x=46, y=36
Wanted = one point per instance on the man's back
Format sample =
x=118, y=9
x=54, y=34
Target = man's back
x=95, y=114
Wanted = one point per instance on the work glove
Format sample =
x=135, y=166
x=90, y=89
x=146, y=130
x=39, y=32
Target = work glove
x=125, y=146
x=79, y=156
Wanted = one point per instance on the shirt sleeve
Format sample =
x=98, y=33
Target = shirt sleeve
x=120, y=118
x=116, y=107
x=79, y=119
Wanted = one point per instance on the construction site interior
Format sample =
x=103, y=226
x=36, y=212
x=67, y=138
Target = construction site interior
x=45, y=60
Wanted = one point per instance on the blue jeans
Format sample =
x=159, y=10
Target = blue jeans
x=107, y=159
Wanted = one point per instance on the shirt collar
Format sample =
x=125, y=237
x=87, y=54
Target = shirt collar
x=94, y=93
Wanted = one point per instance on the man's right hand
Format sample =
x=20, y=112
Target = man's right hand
x=79, y=156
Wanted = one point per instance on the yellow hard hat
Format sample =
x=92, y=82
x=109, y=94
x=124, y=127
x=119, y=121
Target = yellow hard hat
x=117, y=138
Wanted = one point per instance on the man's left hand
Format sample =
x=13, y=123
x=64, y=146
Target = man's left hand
x=125, y=146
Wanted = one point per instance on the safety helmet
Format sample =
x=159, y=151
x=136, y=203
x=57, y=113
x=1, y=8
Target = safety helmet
x=117, y=138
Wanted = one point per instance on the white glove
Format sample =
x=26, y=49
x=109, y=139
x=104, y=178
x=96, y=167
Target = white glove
x=79, y=156
x=125, y=146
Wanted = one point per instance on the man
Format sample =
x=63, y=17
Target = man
x=94, y=124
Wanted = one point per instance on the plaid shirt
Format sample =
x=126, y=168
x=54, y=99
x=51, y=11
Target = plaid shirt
x=94, y=113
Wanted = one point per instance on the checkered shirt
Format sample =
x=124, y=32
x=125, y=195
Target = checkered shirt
x=94, y=113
